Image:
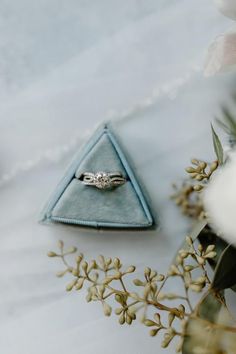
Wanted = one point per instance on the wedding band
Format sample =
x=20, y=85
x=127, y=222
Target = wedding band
x=102, y=180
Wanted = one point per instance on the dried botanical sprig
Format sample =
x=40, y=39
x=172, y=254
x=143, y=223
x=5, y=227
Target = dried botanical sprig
x=188, y=197
x=188, y=200
x=201, y=171
x=106, y=278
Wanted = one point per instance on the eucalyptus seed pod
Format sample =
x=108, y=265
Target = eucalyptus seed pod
x=119, y=298
x=71, y=285
x=174, y=270
x=89, y=297
x=179, y=260
x=71, y=250
x=160, y=277
x=130, y=269
x=195, y=161
x=198, y=187
x=146, y=290
x=203, y=165
x=147, y=271
x=189, y=240
x=107, y=280
x=134, y=296
x=117, y=263
x=200, y=280
x=210, y=255
x=60, y=244
x=200, y=248
x=79, y=283
x=199, y=178
x=84, y=266
x=52, y=254
x=75, y=272
x=153, y=274
x=214, y=166
x=61, y=274
x=171, y=296
x=131, y=312
x=171, y=318
x=210, y=248
x=101, y=260
x=196, y=287
x=138, y=282
x=79, y=258
x=101, y=289
x=119, y=310
x=190, y=169
x=108, y=261
x=200, y=260
x=92, y=265
x=183, y=254
x=181, y=308
x=157, y=318
x=153, y=332
x=167, y=340
x=128, y=319
x=188, y=268
x=106, y=309
x=149, y=323
x=122, y=318
x=193, y=175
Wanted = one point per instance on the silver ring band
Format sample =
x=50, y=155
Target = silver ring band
x=102, y=180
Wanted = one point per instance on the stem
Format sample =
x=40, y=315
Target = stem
x=187, y=298
x=205, y=274
x=216, y=325
x=123, y=285
x=156, y=304
x=186, y=292
x=132, y=304
x=162, y=307
x=162, y=285
x=64, y=261
x=108, y=295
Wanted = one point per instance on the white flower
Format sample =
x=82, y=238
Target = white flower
x=227, y=7
x=221, y=54
x=220, y=201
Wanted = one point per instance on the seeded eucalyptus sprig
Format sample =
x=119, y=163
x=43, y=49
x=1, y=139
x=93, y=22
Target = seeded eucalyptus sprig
x=106, y=278
x=188, y=197
x=201, y=171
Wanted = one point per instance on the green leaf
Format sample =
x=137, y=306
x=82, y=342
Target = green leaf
x=234, y=288
x=217, y=147
x=225, y=272
x=208, y=237
x=224, y=126
x=208, y=309
x=229, y=121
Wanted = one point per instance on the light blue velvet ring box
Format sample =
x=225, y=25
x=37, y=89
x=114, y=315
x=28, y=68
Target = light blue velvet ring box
x=75, y=203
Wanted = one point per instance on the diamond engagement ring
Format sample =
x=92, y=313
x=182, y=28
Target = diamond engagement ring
x=102, y=180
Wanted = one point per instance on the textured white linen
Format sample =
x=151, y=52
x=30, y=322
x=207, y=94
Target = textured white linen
x=64, y=66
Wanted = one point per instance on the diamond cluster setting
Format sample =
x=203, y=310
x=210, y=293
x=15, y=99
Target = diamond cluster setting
x=102, y=180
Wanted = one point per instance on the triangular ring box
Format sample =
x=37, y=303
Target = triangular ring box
x=79, y=204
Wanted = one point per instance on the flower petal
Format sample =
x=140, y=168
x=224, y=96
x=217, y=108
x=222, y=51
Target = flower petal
x=221, y=54
x=227, y=7
x=220, y=201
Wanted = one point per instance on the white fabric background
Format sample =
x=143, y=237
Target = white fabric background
x=64, y=66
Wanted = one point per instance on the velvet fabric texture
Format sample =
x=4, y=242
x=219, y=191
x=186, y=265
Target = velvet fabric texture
x=76, y=203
